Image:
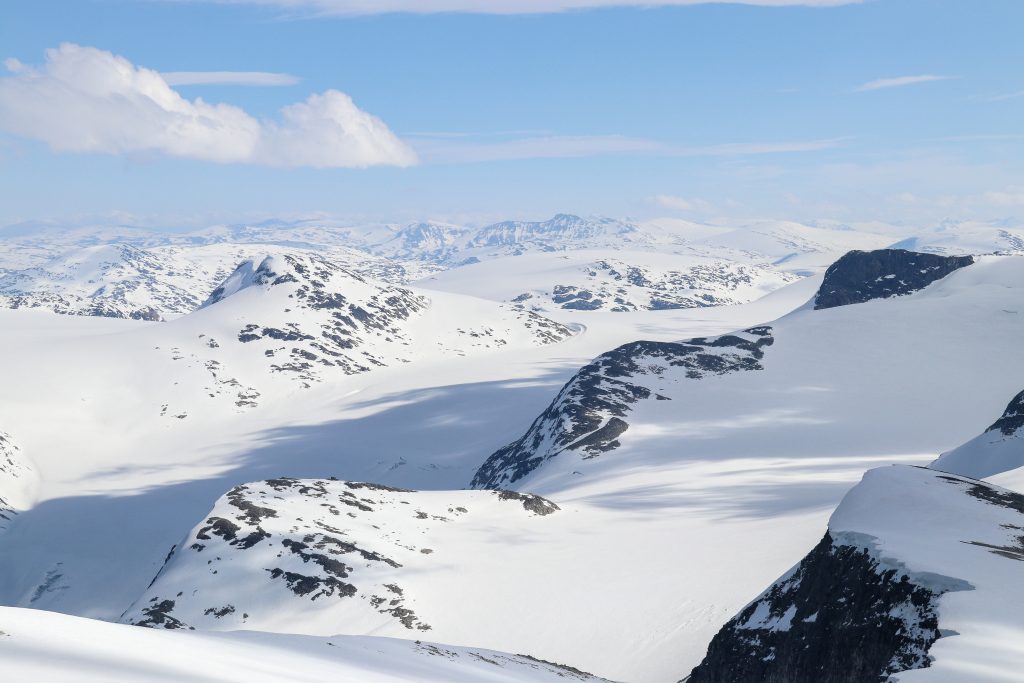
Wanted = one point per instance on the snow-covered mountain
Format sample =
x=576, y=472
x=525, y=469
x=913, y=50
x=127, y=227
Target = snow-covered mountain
x=619, y=281
x=156, y=283
x=587, y=416
x=634, y=389
x=326, y=556
x=688, y=475
x=919, y=572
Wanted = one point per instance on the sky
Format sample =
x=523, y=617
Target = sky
x=194, y=112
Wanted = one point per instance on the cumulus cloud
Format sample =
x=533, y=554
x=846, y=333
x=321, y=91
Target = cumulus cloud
x=900, y=81
x=365, y=7
x=88, y=100
x=262, y=78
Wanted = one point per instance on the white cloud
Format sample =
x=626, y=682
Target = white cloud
x=88, y=100
x=901, y=81
x=366, y=7
x=228, y=78
x=754, y=148
x=1006, y=96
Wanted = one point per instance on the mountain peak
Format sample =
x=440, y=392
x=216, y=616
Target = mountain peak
x=272, y=270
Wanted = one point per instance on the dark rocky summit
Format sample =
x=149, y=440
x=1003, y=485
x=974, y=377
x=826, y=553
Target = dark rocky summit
x=588, y=415
x=1012, y=418
x=864, y=604
x=861, y=276
x=838, y=617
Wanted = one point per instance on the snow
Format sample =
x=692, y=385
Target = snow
x=55, y=648
x=709, y=497
x=928, y=524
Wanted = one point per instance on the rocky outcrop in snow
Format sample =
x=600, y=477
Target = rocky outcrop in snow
x=861, y=276
x=588, y=416
x=17, y=480
x=305, y=316
x=306, y=313
x=867, y=602
x=1000, y=448
x=329, y=555
x=616, y=285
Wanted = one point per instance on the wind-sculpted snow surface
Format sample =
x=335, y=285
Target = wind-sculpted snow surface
x=321, y=556
x=90, y=651
x=870, y=600
x=861, y=276
x=999, y=449
x=589, y=414
x=17, y=480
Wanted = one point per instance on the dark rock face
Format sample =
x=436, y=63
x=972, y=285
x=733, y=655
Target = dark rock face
x=861, y=276
x=532, y=503
x=1012, y=418
x=838, y=617
x=588, y=415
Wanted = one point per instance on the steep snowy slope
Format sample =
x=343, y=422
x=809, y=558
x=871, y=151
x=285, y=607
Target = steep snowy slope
x=999, y=449
x=319, y=556
x=613, y=281
x=633, y=392
x=18, y=480
x=53, y=648
x=919, y=572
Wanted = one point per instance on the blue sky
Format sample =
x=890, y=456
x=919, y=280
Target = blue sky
x=895, y=110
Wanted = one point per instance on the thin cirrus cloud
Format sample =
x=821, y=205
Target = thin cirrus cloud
x=83, y=99
x=901, y=81
x=367, y=7
x=256, y=78
x=449, y=148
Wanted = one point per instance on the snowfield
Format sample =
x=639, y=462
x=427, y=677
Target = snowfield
x=271, y=463
x=55, y=648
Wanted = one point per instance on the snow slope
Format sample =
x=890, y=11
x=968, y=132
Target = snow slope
x=18, y=480
x=637, y=404
x=998, y=449
x=917, y=579
x=55, y=648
